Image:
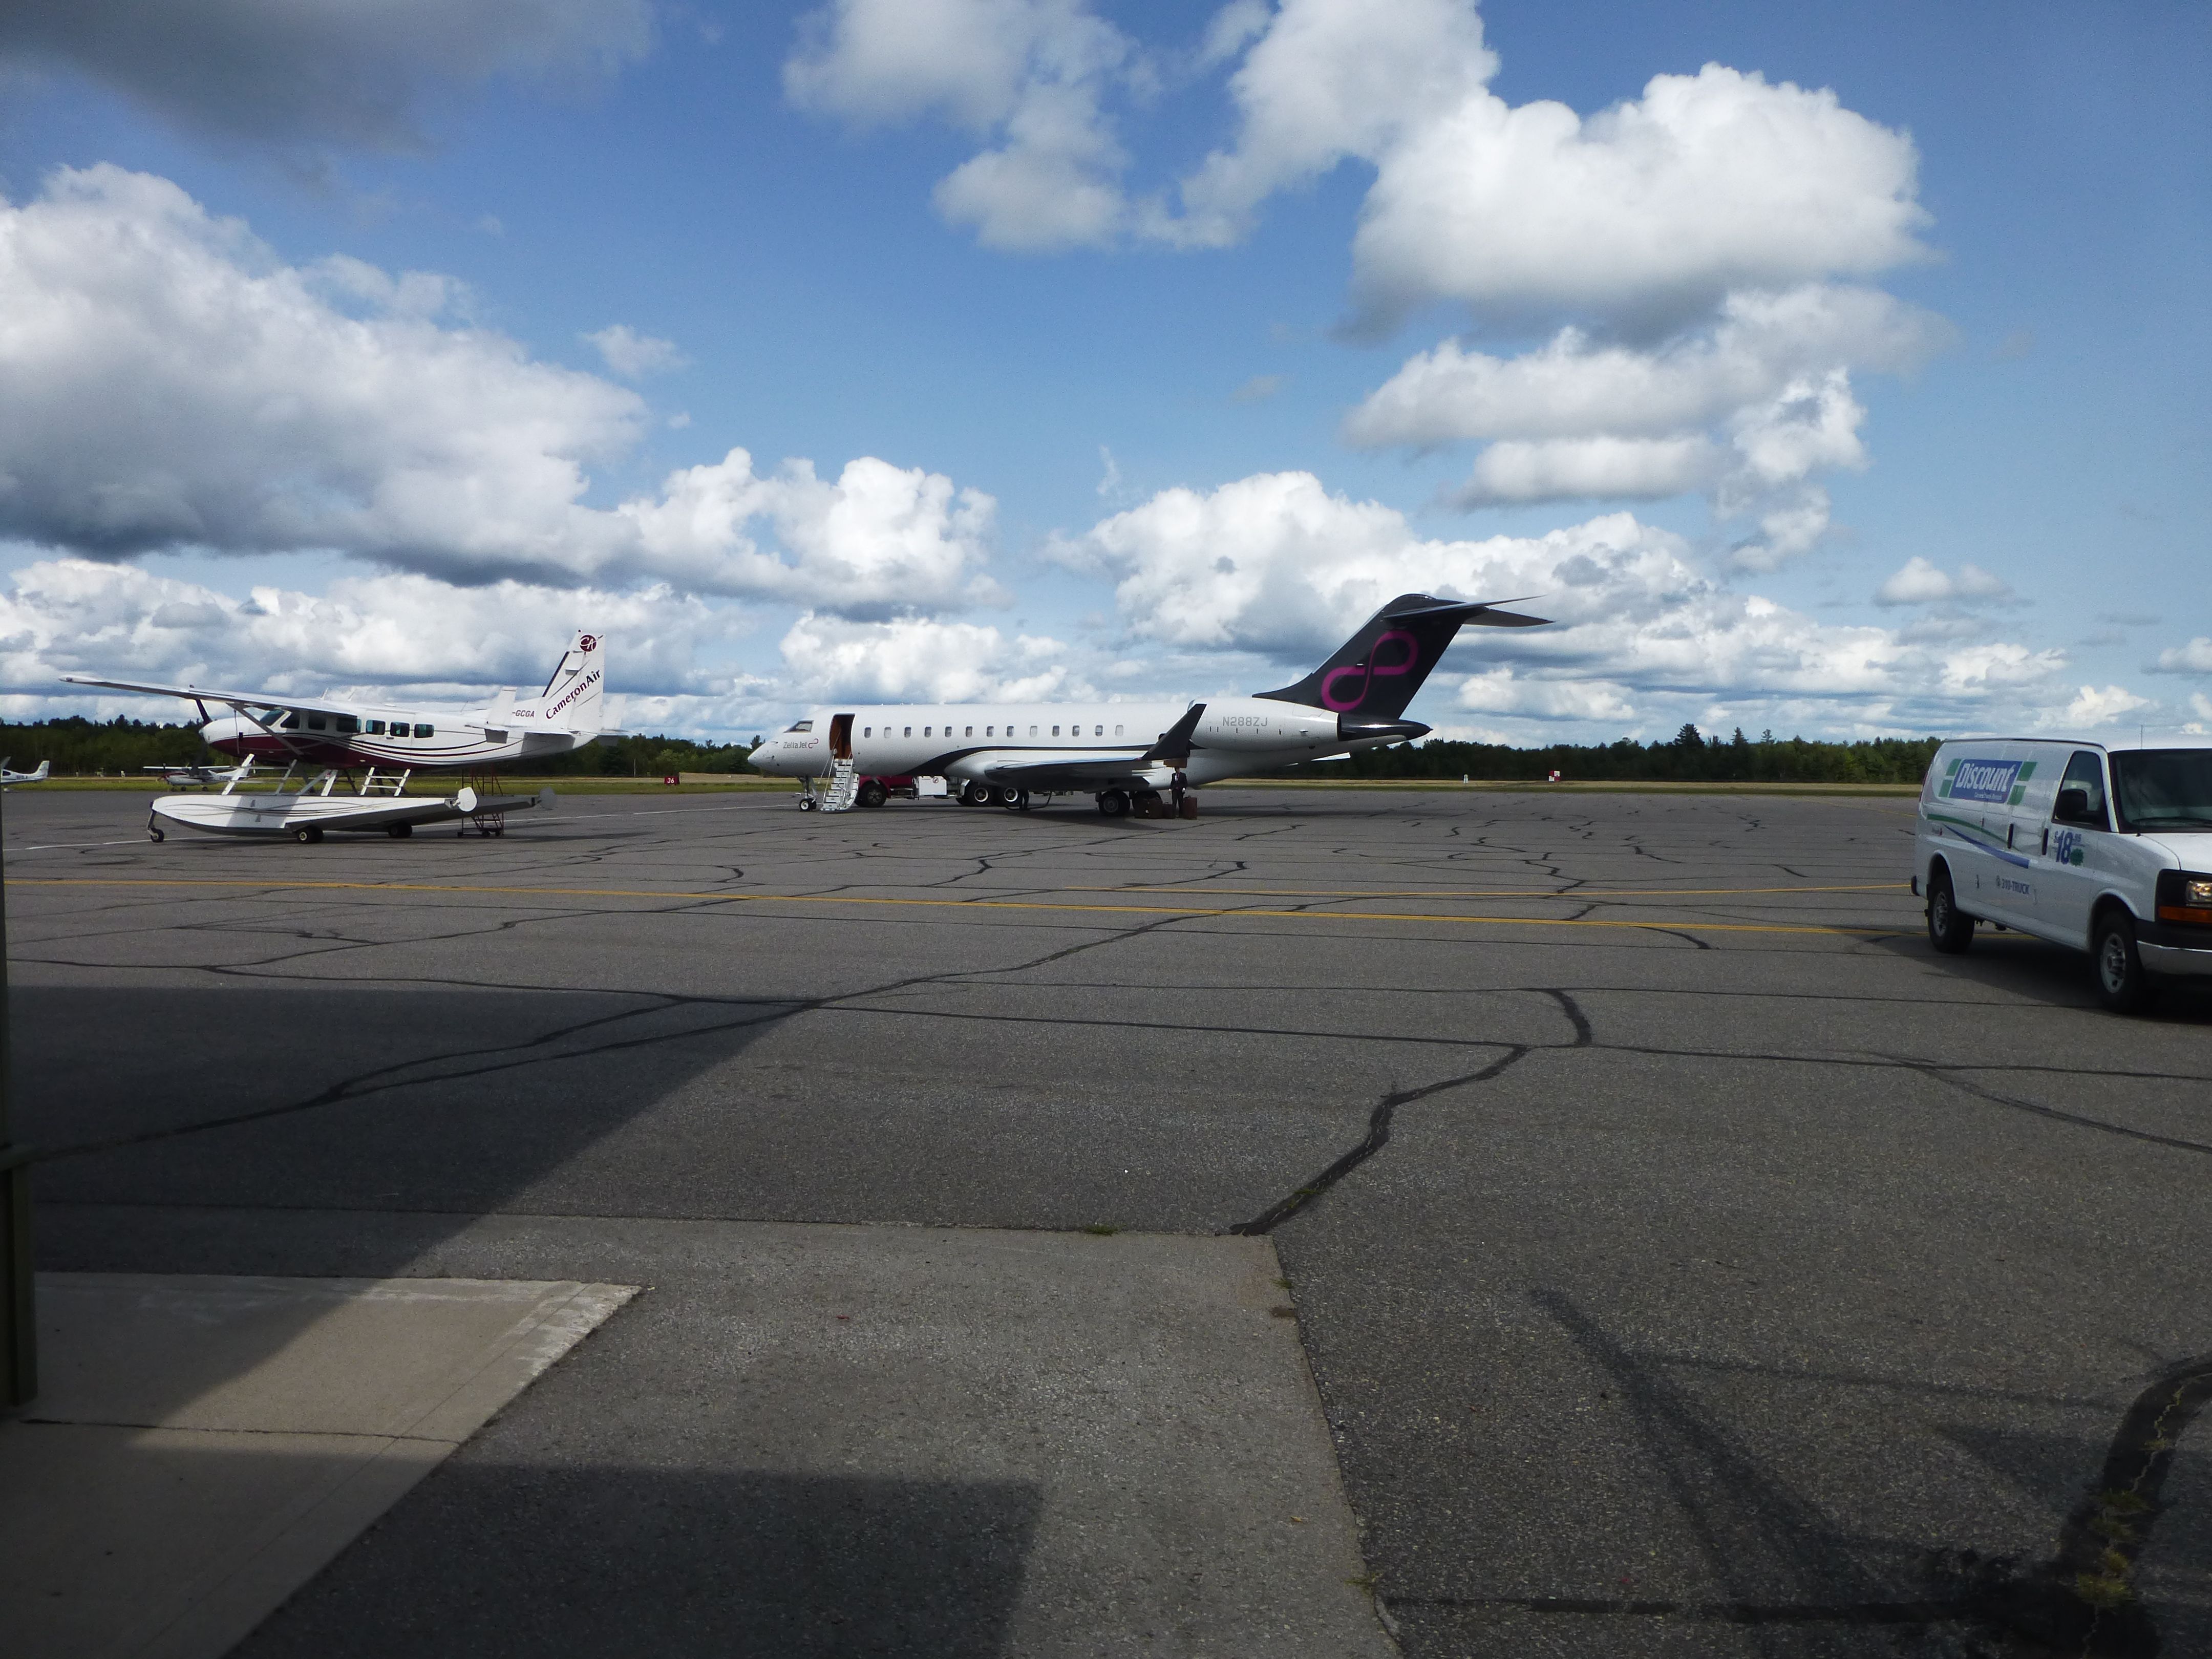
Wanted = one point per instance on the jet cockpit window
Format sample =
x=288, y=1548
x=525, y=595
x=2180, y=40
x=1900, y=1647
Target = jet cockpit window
x=426, y=731
x=803, y=726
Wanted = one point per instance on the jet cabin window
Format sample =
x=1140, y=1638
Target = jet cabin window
x=1117, y=731
x=910, y=731
x=1033, y=730
x=925, y=731
x=867, y=731
x=969, y=732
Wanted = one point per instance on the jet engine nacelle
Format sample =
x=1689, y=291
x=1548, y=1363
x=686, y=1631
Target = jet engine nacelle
x=1262, y=723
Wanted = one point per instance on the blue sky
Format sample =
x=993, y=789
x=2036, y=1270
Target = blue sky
x=1852, y=385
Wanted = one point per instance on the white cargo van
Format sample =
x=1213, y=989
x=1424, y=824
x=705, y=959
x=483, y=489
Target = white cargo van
x=2106, y=849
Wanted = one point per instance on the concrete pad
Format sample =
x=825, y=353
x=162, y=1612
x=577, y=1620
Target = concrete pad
x=202, y=1446
x=832, y=1440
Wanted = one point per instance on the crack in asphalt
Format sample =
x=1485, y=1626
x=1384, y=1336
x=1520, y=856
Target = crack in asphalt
x=511, y=1056
x=1380, y=1118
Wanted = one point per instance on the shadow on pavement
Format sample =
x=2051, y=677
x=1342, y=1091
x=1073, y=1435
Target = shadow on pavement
x=494, y=1558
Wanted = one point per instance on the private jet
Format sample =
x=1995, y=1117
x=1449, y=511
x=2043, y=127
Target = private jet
x=1127, y=754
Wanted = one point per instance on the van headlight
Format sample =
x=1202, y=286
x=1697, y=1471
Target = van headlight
x=2197, y=892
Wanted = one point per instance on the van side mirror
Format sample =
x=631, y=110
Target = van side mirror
x=2073, y=806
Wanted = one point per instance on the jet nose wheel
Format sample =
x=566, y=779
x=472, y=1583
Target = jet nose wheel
x=806, y=803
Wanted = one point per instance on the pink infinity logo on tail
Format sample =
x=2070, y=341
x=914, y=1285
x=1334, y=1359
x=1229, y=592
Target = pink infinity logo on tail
x=1373, y=669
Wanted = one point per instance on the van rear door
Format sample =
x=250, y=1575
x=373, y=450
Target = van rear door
x=1986, y=838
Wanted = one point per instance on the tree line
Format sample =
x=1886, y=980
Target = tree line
x=1689, y=757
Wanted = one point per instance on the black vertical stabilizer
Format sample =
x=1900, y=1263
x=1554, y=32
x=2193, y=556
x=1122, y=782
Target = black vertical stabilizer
x=1375, y=672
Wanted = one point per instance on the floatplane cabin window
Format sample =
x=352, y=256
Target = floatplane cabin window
x=347, y=723
x=374, y=728
x=289, y=723
x=314, y=722
x=426, y=731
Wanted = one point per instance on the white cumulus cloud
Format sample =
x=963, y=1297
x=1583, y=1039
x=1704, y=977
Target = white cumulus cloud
x=1920, y=582
x=1277, y=566
x=2194, y=658
x=634, y=356
x=166, y=382
x=1032, y=74
x=920, y=659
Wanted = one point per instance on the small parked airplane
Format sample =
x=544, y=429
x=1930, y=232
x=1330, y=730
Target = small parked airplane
x=319, y=732
x=339, y=736
x=201, y=777
x=8, y=777
x=1126, y=753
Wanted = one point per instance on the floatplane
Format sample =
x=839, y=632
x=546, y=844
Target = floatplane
x=323, y=742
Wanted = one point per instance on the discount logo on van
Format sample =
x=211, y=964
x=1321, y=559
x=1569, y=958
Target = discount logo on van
x=1995, y=782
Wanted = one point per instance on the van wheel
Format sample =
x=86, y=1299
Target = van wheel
x=874, y=793
x=2122, y=984
x=1950, y=929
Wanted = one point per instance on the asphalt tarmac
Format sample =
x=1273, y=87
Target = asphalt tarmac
x=1690, y=1261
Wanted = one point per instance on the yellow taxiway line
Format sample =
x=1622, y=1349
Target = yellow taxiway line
x=933, y=903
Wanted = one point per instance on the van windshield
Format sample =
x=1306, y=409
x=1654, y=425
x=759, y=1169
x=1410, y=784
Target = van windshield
x=2163, y=788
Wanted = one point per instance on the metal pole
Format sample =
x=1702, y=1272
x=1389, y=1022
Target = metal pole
x=19, y=1325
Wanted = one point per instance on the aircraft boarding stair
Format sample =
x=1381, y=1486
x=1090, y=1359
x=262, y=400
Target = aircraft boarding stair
x=843, y=787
